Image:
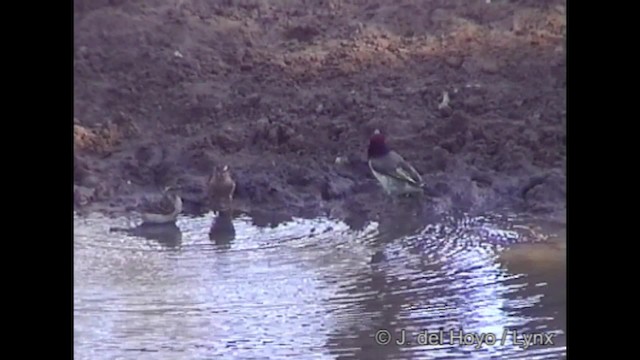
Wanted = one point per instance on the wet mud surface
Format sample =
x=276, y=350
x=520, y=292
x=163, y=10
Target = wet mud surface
x=287, y=93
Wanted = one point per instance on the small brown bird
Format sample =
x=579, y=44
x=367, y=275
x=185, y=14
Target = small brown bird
x=162, y=210
x=221, y=186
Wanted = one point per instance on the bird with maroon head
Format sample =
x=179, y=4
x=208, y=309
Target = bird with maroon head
x=395, y=175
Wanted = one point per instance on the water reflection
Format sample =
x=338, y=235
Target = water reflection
x=541, y=298
x=399, y=222
x=270, y=219
x=167, y=235
x=309, y=288
x=222, y=231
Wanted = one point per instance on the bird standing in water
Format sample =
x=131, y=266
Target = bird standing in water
x=162, y=210
x=395, y=175
x=221, y=187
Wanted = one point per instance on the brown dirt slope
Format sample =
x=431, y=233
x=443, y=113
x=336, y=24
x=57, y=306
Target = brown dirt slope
x=165, y=90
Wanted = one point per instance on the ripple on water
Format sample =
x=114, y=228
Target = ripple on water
x=305, y=289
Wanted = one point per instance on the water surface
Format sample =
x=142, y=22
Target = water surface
x=221, y=287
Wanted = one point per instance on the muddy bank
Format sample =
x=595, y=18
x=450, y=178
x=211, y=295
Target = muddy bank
x=165, y=91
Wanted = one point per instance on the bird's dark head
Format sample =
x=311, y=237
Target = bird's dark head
x=224, y=172
x=220, y=174
x=377, y=145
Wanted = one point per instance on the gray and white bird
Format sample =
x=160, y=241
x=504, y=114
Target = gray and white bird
x=162, y=210
x=396, y=176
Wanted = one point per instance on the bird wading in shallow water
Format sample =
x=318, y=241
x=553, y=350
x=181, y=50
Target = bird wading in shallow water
x=221, y=187
x=162, y=210
x=396, y=176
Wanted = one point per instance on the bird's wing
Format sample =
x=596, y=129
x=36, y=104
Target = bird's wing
x=162, y=205
x=210, y=179
x=395, y=166
x=409, y=170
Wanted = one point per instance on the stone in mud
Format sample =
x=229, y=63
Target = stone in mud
x=262, y=125
x=201, y=159
x=445, y=111
x=257, y=190
x=440, y=15
x=80, y=169
x=303, y=33
x=297, y=143
x=336, y=187
x=149, y=155
x=482, y=179
x=165, y=174
x=125, y=125
x=254, y=100
x=227, y=140
x=159, y=174
x=440, y=188
x=454, y=61
x=277, y=134
x=474, y=104
x=455, y=144
x=90, y=181
x=102, y=192
x=272, y=134
x=489, y=65
x=457, y=124
x=545, y=190
x=436, y=160
x=299, y=177
x=82, y=196
x=84, y=138
x=484, y=197
x=335, y=130
x=478, y=134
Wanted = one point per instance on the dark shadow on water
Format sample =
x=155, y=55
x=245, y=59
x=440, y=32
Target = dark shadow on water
x=399, y=217
x=268, y=218
x=222, y=231
x=167, y=235
x=356, y=222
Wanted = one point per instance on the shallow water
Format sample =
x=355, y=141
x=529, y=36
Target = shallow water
x=220, y=287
